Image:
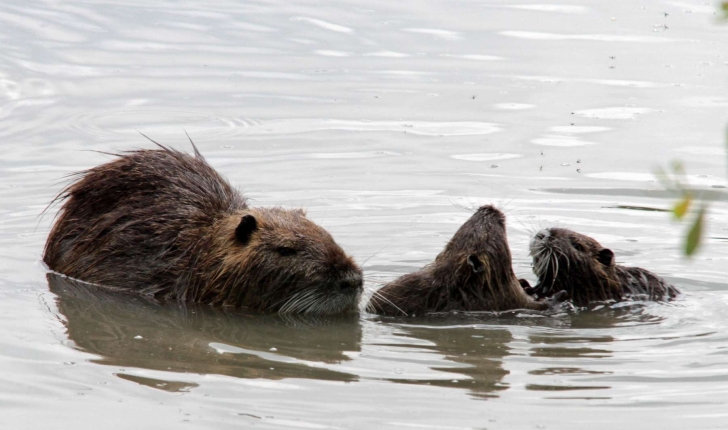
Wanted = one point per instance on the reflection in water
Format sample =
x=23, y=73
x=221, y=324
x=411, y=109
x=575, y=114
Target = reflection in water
x=474, y=352
x=475, y=348
x=567, y=356
x=131, y=331
x=571, y=356
x=463, y=351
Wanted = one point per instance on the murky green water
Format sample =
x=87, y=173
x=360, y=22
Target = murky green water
x=389, y=122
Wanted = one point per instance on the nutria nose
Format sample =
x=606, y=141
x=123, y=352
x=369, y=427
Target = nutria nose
x=352, y=282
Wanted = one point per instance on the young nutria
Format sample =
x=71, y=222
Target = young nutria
x=473, y=273
x=166, y=224
x=566, y=260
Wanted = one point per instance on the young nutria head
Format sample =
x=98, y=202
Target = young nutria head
x=477, y=256
x=272, y=259
x=472, y=273
x=566, y=260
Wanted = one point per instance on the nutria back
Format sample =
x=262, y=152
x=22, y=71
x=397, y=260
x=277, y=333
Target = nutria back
x=164, y=223
x=473, y=273
x=566, y=260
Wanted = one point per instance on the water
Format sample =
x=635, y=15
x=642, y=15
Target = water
x=389, y=122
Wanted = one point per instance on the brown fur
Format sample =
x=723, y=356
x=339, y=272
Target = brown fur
x=566, y=260
x=473, y=273
x=166, y=224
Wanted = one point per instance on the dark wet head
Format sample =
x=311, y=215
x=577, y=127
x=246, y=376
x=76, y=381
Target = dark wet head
x=281, y=261
x=479, y=249
x=567, y=260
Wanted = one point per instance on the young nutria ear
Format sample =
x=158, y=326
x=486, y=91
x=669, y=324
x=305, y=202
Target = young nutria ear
x=248, y=224
x=606, y=256
x=475, y=263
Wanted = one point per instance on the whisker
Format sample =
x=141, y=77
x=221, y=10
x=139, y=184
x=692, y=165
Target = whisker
x=377, y=252
x=381, y=296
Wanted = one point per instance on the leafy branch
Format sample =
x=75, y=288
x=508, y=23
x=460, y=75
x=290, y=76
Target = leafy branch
x=676, y=181
x=690, y=205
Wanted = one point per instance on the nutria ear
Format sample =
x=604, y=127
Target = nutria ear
x=475, y=263
x=248, y=224
x=606, y=256
x=301, y=212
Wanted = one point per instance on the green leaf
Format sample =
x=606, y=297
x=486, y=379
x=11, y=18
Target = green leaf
x=695, y=234
x=682, y=206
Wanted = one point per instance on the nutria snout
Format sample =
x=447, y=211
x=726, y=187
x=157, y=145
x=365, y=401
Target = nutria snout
x=164, y=223
x=473, y=273
x=566, y=260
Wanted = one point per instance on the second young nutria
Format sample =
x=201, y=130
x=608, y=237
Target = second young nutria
x=570, y=261
x=472, y=273
x=166, y=224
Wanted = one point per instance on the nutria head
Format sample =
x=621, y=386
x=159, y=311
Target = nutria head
x=477, y=257
x=578, y=264
x=277, y=260
x=472, y=273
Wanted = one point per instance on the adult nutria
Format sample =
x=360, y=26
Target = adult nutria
x=166, y=224
x=473, y=273
x=566, y=260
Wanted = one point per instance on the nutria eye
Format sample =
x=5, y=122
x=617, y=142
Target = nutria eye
x=578, y=246
x=285, y=251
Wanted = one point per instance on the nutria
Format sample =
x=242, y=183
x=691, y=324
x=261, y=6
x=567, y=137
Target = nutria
x=473, y=273
x=570, y=261
x=164, y=223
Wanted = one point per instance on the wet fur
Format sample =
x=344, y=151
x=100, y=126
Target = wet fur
x=566, y=260
x=473, y=273
x=166, y=224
